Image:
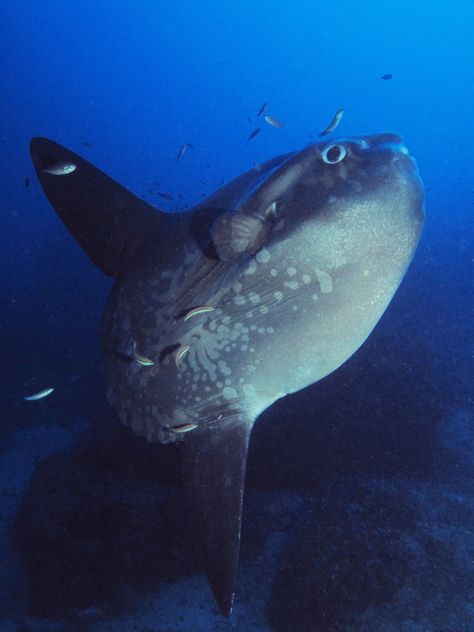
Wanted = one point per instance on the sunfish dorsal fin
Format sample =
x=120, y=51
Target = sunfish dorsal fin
x=110, y=223
x=214, y=460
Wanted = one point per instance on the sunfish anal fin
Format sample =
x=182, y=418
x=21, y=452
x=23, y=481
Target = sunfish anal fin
x=214, y=460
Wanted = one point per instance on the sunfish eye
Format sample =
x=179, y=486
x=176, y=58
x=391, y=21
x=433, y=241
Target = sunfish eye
x=333, y=154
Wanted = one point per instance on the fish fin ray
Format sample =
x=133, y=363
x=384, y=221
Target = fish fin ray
x=236, y=234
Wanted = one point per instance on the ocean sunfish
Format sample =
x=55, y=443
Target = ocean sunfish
x=258, y=291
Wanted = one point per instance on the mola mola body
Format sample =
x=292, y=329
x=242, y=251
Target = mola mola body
x=265, y=287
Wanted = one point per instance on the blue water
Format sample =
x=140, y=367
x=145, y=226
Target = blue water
x=360, y=503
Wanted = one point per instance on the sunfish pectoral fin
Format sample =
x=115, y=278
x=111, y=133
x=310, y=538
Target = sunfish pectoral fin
x=235, y=234
x=110, y=223
x=214, y=460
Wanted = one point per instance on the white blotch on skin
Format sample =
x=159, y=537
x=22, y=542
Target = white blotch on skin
x=315, y=297
x=229, y=393
x=263, y=309
x=306, y=279
x=237, y=287
x=293, y=285
x=254, y=298
x=278, y=295
x=239, y=299
x=291, y=271
x=263, y=256
x=366, y=273
x=251, y=268
x=325, y=281
x=273, y=272
x=332, y=199
x=248, y=390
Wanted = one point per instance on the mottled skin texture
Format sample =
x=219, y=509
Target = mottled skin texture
x=342, y=237
x=298, y=259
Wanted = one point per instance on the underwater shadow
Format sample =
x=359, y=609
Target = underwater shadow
x=376, y=415
x=101, y=523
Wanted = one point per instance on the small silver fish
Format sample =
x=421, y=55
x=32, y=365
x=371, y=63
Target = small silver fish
x=141, y=359
x=198, y=310
x=254, y=133
x=181, y=152
x=334, y=123
x=40, y=395
x=271, y=120
x=180, y=353
x=60, y=168
x=164, y=195
x=183, y=428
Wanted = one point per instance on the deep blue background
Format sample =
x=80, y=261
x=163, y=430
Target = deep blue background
x=137, y=80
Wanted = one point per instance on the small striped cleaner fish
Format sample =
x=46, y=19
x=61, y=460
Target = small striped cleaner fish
x=141, y=359
x=205, y=309
x=184, y=428
x=40, y=395
x=180, y=353
x=60, y=168
x=334, y=123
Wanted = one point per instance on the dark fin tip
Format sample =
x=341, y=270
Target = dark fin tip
x=110, y=223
